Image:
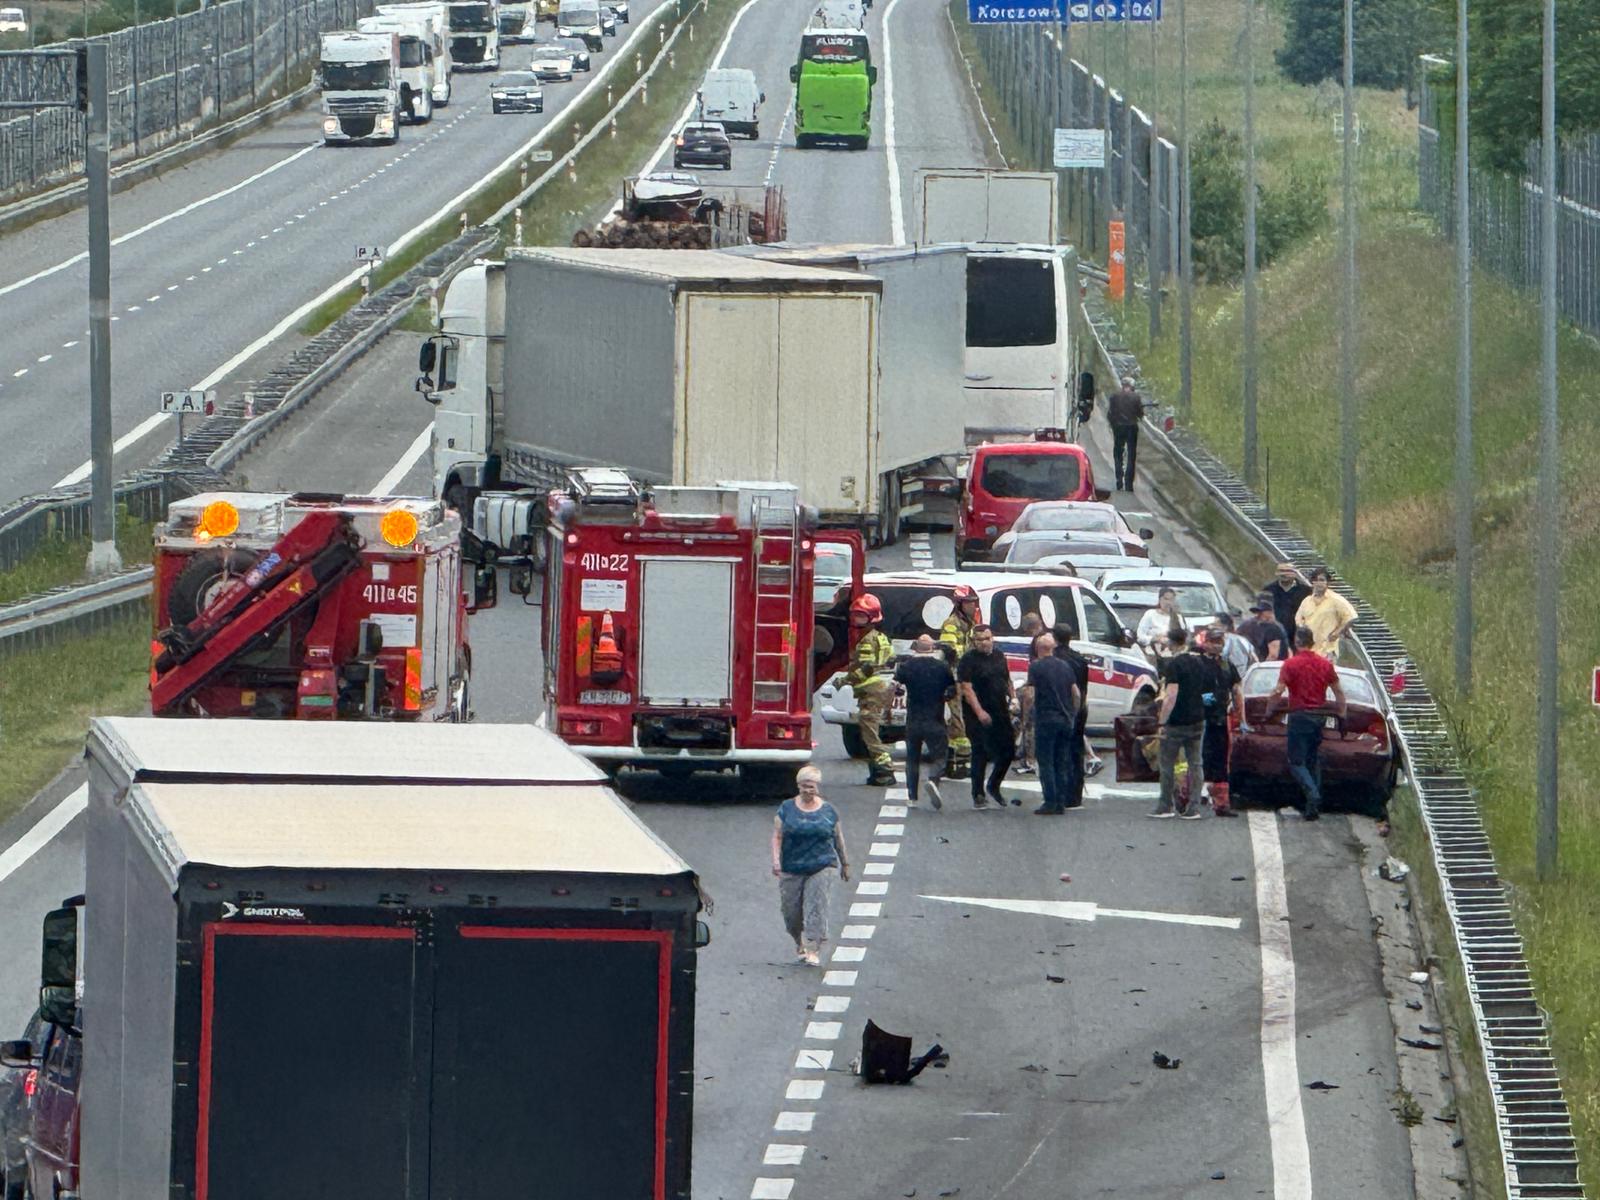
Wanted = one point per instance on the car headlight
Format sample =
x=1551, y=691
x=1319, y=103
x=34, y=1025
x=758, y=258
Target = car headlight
x=330, y=125
x=498, y=95
x=385, y=123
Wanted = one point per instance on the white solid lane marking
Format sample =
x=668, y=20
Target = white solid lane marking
x=866, y=908
x=804, y=1089
x=1286, y=1121
x=848, y=954
x=52, y=823
x=857, y=933
x=839, y=978
x=782, y=1154
x=794, y=1122
x=144, y=427
x=831, y=1004
x=813, y=1060
x=772, y=1189
x=871, y=887
x=1084, y=910
x=897, y=216
x=407, y=460
x=171, y=216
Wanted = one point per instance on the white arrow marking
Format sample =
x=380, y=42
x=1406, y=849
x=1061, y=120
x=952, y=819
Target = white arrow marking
x=1087, y=910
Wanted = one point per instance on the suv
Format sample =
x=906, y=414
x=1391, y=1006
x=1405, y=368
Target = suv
x=917, y=602
x=703, y=144
x=19, y=1079
x=1004, y=478
x=47, y=1121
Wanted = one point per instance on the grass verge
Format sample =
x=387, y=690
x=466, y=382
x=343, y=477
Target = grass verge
x=47, y=697
x=58, y=561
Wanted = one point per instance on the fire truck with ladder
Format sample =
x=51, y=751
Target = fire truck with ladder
x=679, y=625
x=317, y=607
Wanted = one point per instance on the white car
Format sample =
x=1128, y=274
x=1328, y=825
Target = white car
x=1133, y=591
x=917, y=602
x=1077, y=516
x=13, y=20
x=552, y=66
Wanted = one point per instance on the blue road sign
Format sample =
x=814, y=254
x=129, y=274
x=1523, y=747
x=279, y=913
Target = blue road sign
x=1091, y=11
x=987, y=12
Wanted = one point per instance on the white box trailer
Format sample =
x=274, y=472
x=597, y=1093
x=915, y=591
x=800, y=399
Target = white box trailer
x=678, y=366
x=978, y=204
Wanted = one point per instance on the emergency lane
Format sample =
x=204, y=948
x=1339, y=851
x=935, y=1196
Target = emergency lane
x=199, y=291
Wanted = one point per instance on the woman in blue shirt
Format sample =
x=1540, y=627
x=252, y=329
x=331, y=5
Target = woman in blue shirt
x=807, y=853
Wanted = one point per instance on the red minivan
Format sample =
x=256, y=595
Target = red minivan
x=1005, y=477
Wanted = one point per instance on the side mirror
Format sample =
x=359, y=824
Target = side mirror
x=17, y=1055
x=1127, y=641
x=872, y=74
x=485, y=587
x=1086, y=385
x=428, y=356
x=520, y=580
x=763, y=98
x=59, y=1006
x=1147, y=534
x=794, y=73
x=702, y=935
x=58, y=964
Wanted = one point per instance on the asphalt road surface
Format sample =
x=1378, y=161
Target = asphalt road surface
x=1243, y=949
x=210, y=257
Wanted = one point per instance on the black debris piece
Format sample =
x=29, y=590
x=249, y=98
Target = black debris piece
x=1317, y=1085
x=886, y=1057
x=1420, y=1043
x=1055, y=978
x=1165, y=1063
x=1219, y=1174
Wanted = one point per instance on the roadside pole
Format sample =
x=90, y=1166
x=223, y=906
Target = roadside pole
x=1547, y=615
x=103, y=556
x=1153, y=248
x=1347, y=338
x=1464, y=470
x=1250, y=298
x=1185, y=230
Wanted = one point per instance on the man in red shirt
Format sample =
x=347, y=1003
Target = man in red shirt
x=1307, y=678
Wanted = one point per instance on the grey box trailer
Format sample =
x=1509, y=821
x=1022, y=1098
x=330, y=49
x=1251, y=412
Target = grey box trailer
x=380, y=961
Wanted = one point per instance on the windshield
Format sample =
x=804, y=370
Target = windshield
x=571, y=46
x=1031, y=550
x=834, y=48
x=354, y=77
x=1029, y=476
x=1064, y=519
x=512, y=20
x=1011, y=302
x=412, y=53
x=517, y=79
x=1194, y=599
x=1262, y=678
x=579, y=14
x=471, y=16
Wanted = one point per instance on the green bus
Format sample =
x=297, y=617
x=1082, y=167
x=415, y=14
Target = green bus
x=833, y=88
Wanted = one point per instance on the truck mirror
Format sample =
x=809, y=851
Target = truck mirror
x=1086, y=385
x=485, y=587
x=794, y=73
x=702, y=935
x=425, y=388
x=872, y=74
x=1147, y=534
x=428, y=356
x=763, y=98
x=59, y=1006
x=17, y=1055
x=58, y=967
x=1127, y=641
x=520, y=580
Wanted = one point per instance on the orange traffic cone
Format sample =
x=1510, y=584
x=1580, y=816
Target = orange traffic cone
x=607, y=657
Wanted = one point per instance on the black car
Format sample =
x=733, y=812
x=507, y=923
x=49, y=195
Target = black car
x=574, y=47
x=517, y=91
x=703, y=144
x=16, y=1088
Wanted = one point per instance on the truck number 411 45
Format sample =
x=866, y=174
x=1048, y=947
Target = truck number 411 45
x=388, y=593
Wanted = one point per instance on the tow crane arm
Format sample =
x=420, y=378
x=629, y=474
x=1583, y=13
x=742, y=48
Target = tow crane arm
x=312, y=557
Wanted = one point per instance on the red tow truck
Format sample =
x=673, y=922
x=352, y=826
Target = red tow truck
x=681, y=627
x=310, y=606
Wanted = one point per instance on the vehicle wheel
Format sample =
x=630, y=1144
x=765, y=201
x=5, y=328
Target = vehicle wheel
x=202, y=579
x=854, y=744
x=496, y=108
x=765, y=782
x=755, y=133
x=422, y=108
x=461, y=693
x=804, y=141
x=447, y=89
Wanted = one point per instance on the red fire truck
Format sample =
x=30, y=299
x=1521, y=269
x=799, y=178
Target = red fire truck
x=315, y=607
x=681, y=629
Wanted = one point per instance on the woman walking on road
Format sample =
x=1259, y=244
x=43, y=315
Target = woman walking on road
x=807, y=855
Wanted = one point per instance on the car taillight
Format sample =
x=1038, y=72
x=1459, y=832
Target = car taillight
x=576, y=728
x=788, y=733
x=30, y=1083
x=680, y=141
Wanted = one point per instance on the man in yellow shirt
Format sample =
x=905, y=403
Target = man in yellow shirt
x=1327, y=614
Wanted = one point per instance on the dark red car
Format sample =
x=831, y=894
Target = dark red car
x=1005, y=477
x=1359, y=757
x=50, y=1120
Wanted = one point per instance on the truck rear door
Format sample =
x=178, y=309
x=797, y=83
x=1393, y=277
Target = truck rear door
x=686, y=631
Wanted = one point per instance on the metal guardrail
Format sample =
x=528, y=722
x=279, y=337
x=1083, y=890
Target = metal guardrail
x=1532, y=1121
x=79, y=609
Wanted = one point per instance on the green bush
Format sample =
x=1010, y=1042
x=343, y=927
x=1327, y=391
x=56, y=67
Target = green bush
x=1285, y=214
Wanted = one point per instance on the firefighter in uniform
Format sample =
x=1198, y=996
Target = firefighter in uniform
x=956, y=633
x=872, y=689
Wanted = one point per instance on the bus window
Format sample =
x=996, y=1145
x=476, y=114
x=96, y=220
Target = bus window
x=1011, y=301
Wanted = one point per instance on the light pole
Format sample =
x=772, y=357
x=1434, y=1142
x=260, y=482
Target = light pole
x=1185, y=230
x=1347, y=339
x=1464, y=468
x=103, y=556
x=1547, y=616
x=1250, y=242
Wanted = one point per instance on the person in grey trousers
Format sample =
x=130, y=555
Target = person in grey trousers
x=808, y=853
x=1182, y=721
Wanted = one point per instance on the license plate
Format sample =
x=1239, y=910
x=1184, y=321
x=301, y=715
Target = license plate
x=1330, y=722
x=603, y=696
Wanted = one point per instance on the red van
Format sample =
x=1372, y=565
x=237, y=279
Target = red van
x=1003, y=478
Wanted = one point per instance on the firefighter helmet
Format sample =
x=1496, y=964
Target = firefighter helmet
x=867, y=605
x=963, y=593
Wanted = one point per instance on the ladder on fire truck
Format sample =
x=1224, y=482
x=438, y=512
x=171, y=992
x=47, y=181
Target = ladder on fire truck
x=775, y=520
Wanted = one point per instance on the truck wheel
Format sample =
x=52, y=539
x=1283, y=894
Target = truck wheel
x=202, y=579
x=461, y=694
x=854, y=744
x=768, y=782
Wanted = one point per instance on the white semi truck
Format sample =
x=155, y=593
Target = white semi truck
x=419, y=69
x=437, y=16
x=737, y=368
x=360, y=82
x=475, y=34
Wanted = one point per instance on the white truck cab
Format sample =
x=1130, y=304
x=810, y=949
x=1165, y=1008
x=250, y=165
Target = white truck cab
x=418, y=78
x=436, y=17
x=474, y=34
x=581, y=19
x=465, y=373
x=360, y=78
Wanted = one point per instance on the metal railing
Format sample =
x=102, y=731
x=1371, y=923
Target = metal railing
x=1532, y=1121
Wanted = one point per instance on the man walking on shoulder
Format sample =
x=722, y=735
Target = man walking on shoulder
x=1125, y=412
x=1182, y=722
x=929, y=685
x=986, y=700
x=1307, y=678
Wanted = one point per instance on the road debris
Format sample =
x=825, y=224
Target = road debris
x=1393, y=870
x=1165, y=1063
x=886, y=1057
x=1317, y=1085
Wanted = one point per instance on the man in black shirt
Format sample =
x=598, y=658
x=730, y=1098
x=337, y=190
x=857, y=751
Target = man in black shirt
x=986, y=699
x=1064, y=635
x=1124, y=413
x=1056, y=701
x=1262, y=631
x=1222, y=693
x=1182, y=721
x=928, y=683
x=1288, y=592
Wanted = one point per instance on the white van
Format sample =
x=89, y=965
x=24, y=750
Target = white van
x=840, y=14
x=731, y=97
x=13, y=20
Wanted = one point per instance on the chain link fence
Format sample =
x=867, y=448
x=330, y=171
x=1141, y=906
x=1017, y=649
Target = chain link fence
x=171, y=78
x=1505, y=209
x=1036, y=87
